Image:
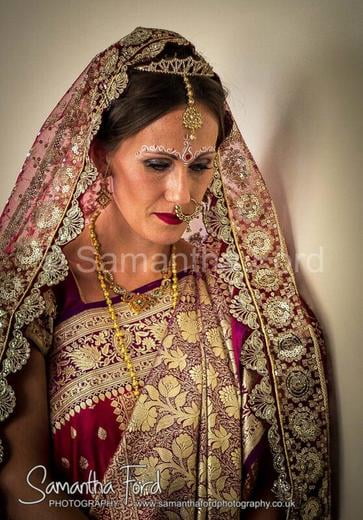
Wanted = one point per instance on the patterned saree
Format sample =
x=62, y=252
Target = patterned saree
x=234, y=398
x=178, y=356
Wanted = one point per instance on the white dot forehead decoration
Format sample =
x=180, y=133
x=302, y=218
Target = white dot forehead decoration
x=187, y=156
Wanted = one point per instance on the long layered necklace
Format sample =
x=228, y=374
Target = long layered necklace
x=136, y=301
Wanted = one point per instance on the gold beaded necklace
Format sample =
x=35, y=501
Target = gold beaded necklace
x=118, y=332
x=139, y=301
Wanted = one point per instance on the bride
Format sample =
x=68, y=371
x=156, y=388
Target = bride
x=153, y=337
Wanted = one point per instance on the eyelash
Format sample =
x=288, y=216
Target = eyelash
x=160, y=167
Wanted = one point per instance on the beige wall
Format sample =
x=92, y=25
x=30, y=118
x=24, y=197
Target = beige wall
x=292, y=70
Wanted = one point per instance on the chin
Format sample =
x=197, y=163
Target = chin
x=167, y=240
x=166, y=237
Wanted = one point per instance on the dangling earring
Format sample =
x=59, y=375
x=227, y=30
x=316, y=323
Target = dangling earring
x=215, y=166
x=104, y=196
x=209, y=194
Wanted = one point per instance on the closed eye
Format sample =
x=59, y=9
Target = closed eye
x=163, y=165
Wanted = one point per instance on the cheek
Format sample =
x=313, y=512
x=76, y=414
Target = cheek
x=207, y=181
x=125, y=180
x=136, y=189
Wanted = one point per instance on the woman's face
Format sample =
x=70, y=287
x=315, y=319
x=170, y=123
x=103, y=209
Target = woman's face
x=146, y=180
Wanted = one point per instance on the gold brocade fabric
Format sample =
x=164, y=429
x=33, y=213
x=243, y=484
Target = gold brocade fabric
x=85, y=366
x=185, y=430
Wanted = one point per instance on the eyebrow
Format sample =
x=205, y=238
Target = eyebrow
x=174, y=156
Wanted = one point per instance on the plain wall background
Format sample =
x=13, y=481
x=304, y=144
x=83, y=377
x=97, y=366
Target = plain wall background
x=293, y=69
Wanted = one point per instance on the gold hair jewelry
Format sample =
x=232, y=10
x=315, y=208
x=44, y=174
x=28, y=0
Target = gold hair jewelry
x=192, y=117
x=188, y=218
x=118, y=332
x=181, y=66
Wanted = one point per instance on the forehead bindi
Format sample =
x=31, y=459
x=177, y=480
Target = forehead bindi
x=174, y=153
x=167, y=136
x=187, y=153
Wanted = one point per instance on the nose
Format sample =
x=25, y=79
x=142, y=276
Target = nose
x=177, y=189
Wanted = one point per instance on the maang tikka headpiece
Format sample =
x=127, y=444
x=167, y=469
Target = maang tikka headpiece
x=192, y=118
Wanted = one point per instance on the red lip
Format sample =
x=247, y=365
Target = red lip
x=169, y=218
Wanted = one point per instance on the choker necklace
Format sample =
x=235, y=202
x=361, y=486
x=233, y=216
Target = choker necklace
x=118, y=332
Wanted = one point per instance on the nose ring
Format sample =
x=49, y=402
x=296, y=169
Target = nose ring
x=188, y=218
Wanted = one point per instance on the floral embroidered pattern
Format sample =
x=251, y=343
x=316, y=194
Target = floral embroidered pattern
x=84, y=359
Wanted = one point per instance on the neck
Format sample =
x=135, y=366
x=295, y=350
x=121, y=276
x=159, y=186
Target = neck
x=133, y=254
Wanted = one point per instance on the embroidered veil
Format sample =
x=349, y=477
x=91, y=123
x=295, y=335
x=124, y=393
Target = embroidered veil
x=52, y=200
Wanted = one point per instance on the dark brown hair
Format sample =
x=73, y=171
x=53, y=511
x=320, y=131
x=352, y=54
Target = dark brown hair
x=150, y=95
